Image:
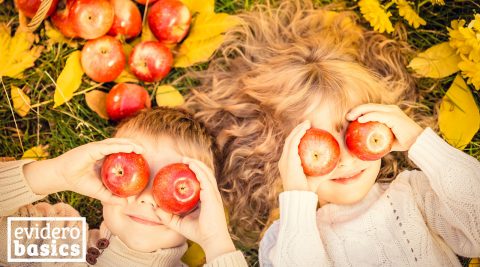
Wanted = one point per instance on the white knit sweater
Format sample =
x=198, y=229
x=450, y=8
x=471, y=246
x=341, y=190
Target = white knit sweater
x=423, y=218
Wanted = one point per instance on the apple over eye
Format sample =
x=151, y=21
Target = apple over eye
x=125, y=174
x=369, y=141
x=176, y=189
x=319, y=152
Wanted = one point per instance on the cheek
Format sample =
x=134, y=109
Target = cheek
x=113, y=219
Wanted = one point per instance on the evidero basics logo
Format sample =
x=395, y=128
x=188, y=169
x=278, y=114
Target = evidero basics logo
x=46, y=239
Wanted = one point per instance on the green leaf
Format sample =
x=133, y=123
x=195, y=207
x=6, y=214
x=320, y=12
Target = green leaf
x=438, y=61
x=459, y=118
x=69, y=79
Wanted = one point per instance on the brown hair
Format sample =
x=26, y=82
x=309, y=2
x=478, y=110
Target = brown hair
x=191, y=137
x=269, y=72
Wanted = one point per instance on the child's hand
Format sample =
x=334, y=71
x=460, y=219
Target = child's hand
x=290, y=165
x=207, y=225
x=405, y=129
x=78, y=170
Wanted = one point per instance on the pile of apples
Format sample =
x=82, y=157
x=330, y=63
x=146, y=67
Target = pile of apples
x=105, y=24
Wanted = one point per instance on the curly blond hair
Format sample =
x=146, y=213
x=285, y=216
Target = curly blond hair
x=268, y=73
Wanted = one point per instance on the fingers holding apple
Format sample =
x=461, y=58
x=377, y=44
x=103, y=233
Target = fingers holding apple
x=290, y=164
x=404, y=130
x=79, y=167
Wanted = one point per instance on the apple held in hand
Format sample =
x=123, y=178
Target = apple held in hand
x=125, y=174
x=150, y=61
x=127, y=21
x=91, y=18
x=169, y=21
x=319, y=152
x=61, y=18
x=125, y=99
x=176, y=189
x=30, y=7
x=103, y=59
x=369, y=141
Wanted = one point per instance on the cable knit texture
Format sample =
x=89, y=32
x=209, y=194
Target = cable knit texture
x=15, y=200
x=423, y=218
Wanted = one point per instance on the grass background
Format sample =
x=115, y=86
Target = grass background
x=74, y=124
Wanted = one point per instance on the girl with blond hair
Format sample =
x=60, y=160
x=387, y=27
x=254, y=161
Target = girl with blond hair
x=292, y=67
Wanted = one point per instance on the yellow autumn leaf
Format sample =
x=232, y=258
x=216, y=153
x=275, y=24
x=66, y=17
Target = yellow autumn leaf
x=194, y=256
x=97, y=101
x=459, y=118
x=169, y=96
x=203, y=6
x=209, y=25
x=69, y=79
x=56, y=37
x=436, y=62
x=17, y=53
x=147, y=34
x=474, y=262
x=191, y=53
x=126, y=76
x=21, y=102
x=37, y=153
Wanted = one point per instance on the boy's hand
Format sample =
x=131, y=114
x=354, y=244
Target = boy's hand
x=290, y=165
x=206, y=225
x=78, y=170
x=405, y=129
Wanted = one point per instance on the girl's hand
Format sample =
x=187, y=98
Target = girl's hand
x=290, y=165
x=78, y=170
x=405, y=129
x=206, y=225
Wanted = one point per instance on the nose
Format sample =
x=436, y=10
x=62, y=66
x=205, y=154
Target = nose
x=346, y=157
x=146, y=196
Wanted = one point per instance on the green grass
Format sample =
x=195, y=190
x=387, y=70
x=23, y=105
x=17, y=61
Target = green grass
x=74, y=124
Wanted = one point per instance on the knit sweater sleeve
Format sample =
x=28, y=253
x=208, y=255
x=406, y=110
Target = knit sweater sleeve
x=233, y=259
x=14, y=189
x=447, y=192
x=294, y=240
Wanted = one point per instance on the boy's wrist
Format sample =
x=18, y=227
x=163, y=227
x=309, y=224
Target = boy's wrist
x=43, y=178
x=217, y=247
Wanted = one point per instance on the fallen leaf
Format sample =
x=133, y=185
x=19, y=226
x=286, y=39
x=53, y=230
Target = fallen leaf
x=438, y=61
x=205, y=36
x=169, y=96
x=459, y=118
x=194, y=256
x=69, y=79
x=147, y=34
x=21, y=102
x=56, y=37
x=126, y=77
x=17, y=53
x=204, y=6
x=96, y=101
x=37, y=153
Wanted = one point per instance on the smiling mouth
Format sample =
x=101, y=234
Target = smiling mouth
x=347, y=180
x=143, y=221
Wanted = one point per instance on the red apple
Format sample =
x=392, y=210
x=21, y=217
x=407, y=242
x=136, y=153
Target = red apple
x=319, y=152
x=369, y=141
x=61, y=18
x=30, y=7
x=91, y=18
x=125, y=99
x=151, y=61
x=144, y=2
x=176, y=189
x=103, y=59
x=125, y=174
x=169, y=21
x=127, y=21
